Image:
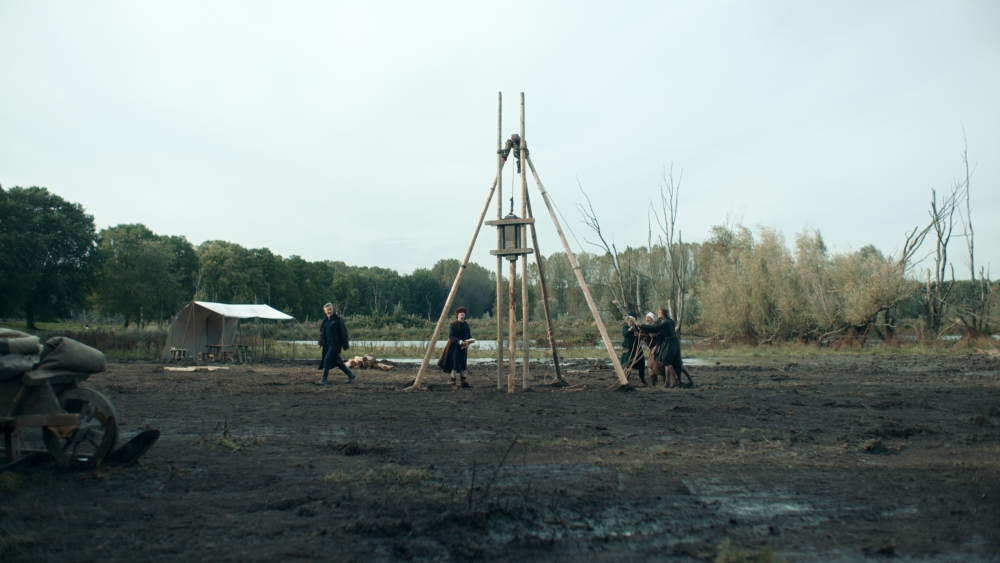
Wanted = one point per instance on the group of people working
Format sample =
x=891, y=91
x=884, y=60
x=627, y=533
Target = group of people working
x=659, y=334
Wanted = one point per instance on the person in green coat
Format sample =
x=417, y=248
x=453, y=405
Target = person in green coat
x=632, y=356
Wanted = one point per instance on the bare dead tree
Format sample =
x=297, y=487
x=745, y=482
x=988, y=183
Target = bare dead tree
x=625, y=284
x=977, y=315
x=677, y=255
x=936, y=292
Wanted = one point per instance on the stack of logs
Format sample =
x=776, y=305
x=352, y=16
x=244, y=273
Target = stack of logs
x=368, y=362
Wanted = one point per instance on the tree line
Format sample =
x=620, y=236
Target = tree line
x=54, y=262
x=735, y=286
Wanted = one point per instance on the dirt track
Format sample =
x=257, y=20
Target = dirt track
x=837, y=459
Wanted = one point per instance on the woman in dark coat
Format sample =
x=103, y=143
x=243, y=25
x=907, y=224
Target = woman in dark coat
x=456, y=352
x=335, y=339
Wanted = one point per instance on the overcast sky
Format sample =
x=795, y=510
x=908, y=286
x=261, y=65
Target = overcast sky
x=366, y=132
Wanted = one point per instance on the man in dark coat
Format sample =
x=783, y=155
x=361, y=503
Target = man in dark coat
x=456, y=352
x=632, y=357
x=669, y=353
x=335, y=338
x=328, y=312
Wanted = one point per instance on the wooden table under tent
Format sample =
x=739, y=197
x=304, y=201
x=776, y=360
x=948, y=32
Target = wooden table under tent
x=211, y=332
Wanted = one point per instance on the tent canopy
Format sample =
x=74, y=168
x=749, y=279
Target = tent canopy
x=244, y=311
x=202, y=324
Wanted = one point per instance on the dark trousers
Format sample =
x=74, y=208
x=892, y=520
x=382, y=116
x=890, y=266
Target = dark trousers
x=322, y=358
x=332, y=360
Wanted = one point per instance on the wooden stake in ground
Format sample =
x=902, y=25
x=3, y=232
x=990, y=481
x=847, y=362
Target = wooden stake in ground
x=499, y=302
x=579, y=278
x=454, y=289
x=524, y=260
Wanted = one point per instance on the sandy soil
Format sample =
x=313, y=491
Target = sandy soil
x=837, y=459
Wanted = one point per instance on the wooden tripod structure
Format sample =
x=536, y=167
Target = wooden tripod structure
x=512, y=247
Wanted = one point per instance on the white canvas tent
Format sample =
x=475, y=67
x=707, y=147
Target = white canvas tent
x=202, y=323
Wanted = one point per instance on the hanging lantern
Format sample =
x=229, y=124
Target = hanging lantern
x=511, y=228
x=510, y=234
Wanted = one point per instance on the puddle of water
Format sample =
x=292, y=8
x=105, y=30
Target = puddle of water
x=899, y=512
x=480, y=344
x=577, y=361
x=755, y=506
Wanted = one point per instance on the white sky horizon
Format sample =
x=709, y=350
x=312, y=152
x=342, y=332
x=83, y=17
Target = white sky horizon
x=366, y=133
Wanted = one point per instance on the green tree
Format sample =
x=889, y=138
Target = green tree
x=143, y=275
x=230, y=273
x=477, y=293
x=369, y=291
x=312, y=282
x=427, y=294
x=47, y=253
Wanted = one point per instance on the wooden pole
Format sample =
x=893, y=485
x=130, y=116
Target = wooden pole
x=454, y=289
x=524, y=261
x=545, y=293
x=512, y=329
x=579, y=278
x=499, y=302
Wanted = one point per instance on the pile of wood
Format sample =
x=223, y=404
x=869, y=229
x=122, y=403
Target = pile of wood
x=368, y=362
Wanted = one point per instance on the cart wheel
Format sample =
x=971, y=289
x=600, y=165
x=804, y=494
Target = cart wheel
x=97, y=433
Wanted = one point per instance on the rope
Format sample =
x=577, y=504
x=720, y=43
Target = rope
x=512, y=176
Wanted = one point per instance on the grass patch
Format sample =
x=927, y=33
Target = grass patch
x=576, y=339
x=225, y=438
x=872, y=446
x=799, y=349
x=565, y=443
x=387, y=474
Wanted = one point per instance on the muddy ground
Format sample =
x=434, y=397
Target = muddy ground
x=833, y=459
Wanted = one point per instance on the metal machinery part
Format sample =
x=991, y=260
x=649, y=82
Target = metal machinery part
x=97, y=434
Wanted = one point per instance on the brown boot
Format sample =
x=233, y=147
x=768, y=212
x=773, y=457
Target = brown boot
x=465, y=384
x=453, y=384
